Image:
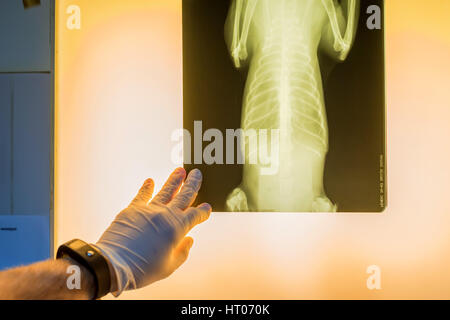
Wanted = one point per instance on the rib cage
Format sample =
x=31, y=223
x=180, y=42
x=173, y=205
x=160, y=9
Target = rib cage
x=284, y=87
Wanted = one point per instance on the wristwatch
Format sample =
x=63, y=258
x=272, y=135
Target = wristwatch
x=90, y=258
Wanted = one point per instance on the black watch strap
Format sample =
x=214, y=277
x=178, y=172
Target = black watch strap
x=92, y=259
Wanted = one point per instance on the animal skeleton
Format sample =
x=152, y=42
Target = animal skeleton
x=280, y=40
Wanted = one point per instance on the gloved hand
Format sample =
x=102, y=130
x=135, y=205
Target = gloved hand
x=147, y=241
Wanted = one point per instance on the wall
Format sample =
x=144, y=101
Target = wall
x=119, y=96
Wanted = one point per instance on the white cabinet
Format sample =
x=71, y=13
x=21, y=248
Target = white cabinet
x=25, y=168
x=31, y=144
x=25, y=144
x=5, y=144
x=23, y=240
x=26, y=132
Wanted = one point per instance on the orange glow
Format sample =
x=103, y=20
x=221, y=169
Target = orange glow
x=119, y=97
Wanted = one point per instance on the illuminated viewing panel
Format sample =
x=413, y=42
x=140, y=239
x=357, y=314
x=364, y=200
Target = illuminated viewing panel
x=286, y=100
x=120, y=96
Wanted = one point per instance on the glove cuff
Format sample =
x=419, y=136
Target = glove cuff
x=124, y=276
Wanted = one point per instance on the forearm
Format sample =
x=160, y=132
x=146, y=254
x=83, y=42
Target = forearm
x=46, y=280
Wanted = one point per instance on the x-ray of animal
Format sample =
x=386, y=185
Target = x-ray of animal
x=284, y=91
x=285, y=52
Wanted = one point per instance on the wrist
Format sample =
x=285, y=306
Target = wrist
x=112, y=269
x=90, y=258
x=86, y=287
x=122, y=277
x=112, y=272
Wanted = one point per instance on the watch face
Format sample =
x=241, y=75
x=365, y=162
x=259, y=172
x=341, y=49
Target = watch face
x=284, y=104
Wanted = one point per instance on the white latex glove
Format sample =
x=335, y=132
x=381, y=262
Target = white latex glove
x=147, y=241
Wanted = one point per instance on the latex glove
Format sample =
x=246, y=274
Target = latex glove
x=146, y=242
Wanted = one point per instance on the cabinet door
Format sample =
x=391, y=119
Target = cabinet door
x=31, y=144
x=23, y=240
x=5, y=145
x=25, y=37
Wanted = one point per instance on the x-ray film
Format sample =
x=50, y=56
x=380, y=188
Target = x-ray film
x=284, y=104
